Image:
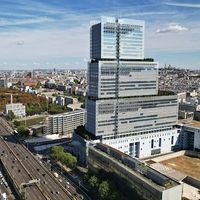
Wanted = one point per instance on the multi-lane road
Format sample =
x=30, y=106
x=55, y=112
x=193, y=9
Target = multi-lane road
x=23, y=167
x=18, y=173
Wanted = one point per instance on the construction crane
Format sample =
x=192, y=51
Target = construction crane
x=11, y=96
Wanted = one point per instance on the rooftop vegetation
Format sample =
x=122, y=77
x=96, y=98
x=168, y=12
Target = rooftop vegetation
x=81, y=131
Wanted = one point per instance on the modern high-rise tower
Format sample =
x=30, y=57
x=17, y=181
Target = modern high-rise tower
x=124, y=107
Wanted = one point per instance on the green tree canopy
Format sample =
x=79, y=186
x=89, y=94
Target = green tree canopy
x=93, y=181
x=57, y=149
x=23, y=130
x=104, y=189
x=57, y=152
x=11, y=115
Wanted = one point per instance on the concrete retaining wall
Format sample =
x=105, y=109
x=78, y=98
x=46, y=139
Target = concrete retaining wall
x=169, y=156
x=146, y=188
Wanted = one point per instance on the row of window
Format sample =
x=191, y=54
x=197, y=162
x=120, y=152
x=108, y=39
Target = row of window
x=142, y=132
x=131, y=83
x=128, y=108
x=160, y=142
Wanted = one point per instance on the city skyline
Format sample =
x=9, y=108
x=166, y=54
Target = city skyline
x=43, y=34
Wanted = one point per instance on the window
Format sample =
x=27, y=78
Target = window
x=160, y=141
x=172, y=140
x=152, y=143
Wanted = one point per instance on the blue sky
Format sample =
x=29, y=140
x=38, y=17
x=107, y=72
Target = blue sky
x=55, y=33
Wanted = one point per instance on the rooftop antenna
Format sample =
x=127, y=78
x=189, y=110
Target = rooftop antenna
x=118, y=9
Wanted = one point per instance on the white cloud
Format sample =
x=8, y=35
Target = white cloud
x=34, y=5
x=182, y=41
x=130, y=14
x=15, y=22
x=173, y=27
x=187, y=5
x=15, y=14
x=45, y=44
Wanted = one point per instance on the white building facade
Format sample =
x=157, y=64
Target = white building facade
x=18, y=109
x=124, y=107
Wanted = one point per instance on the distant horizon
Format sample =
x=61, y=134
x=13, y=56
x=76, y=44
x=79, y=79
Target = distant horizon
x=41, y=33
x=81, y=69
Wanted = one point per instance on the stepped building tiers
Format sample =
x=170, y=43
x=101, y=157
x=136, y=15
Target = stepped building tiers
x=124, y=107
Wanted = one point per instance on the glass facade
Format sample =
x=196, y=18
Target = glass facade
x=135, y=79
x=108, y=36
x=131, y=39
x=117, y=38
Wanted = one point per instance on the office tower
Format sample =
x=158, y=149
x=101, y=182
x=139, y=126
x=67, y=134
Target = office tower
x=124, y=107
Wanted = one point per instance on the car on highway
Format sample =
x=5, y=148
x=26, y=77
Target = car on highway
x=55, y=174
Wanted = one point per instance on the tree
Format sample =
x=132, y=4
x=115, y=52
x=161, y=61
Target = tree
x=93, y=181
x=56, y=109
x=57, y=149
x=23, y=131
x=81, y=99
x=57, y=152
x=115, y=196
x=68, y=159
x=104, y=189
x=71, y=160
x=11, y=115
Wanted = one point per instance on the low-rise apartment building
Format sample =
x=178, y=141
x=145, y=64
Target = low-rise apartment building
x=65, y=123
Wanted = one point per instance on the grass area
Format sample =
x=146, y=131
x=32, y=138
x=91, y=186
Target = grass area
x=185, y=164
x=30, y=121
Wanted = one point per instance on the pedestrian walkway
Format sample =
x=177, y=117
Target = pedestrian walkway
x=172, y=173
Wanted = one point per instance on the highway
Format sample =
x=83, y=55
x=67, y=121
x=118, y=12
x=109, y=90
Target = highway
x=29, y=167
x=17, y=172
